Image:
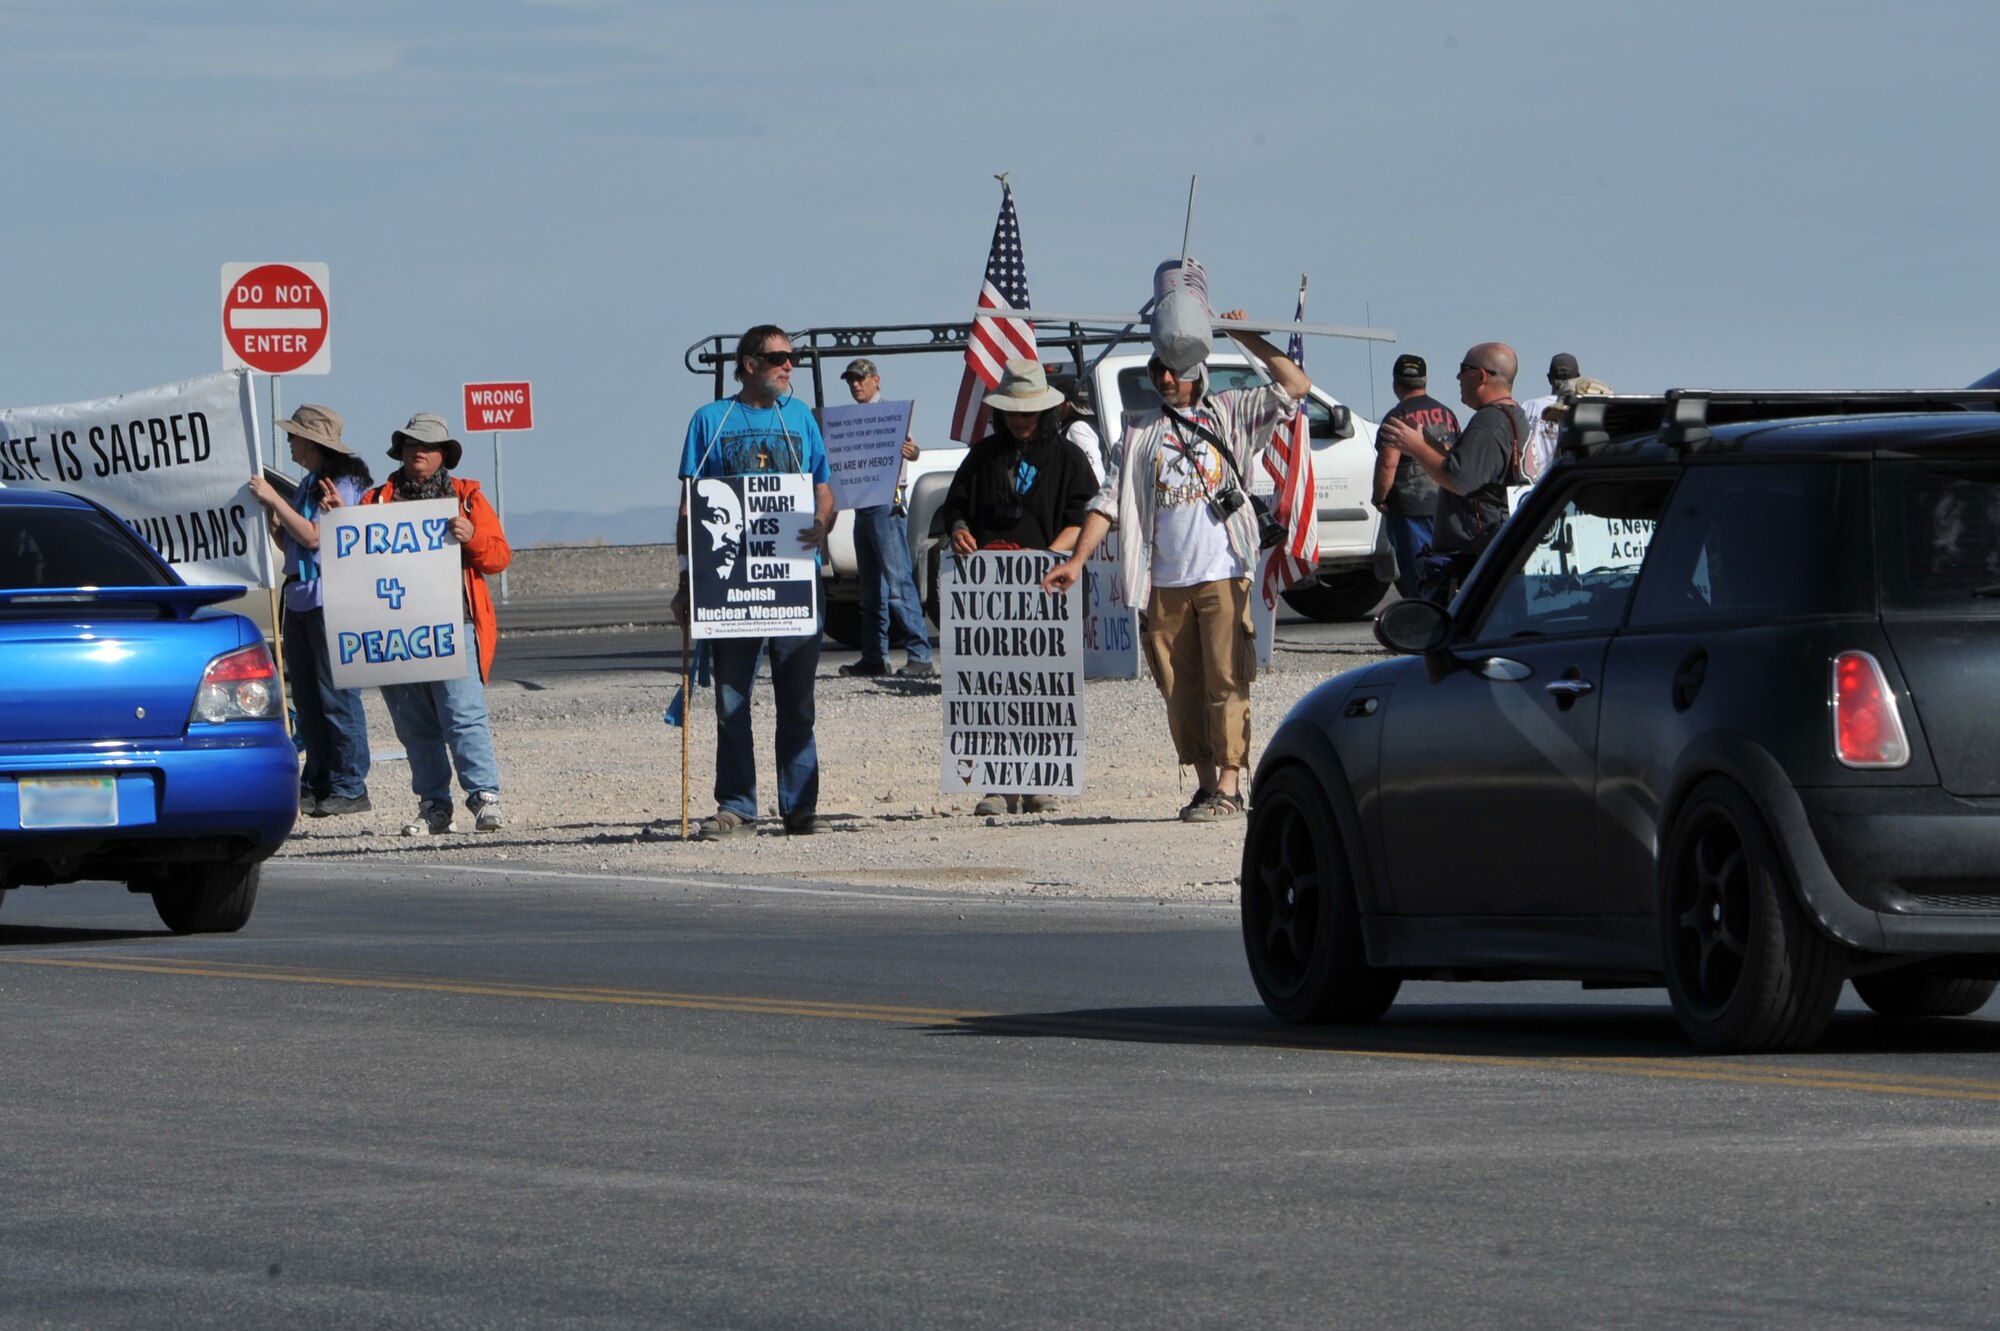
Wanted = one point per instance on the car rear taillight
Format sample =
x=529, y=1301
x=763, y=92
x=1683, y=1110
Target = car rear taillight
x=237, y=686
x=1867, y=729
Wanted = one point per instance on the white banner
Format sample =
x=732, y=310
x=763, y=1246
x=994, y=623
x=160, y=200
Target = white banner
x=1011, y=659
x=394, y=594
x=864, y=450
x=749, y=575
x=175, y=462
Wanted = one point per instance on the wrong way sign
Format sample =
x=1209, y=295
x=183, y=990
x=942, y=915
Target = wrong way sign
x=275, y=318
x=501, y=406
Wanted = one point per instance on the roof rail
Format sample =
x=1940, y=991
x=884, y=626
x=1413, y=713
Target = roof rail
x=1683, y=418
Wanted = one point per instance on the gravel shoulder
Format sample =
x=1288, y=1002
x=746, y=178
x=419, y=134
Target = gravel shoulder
x=592, y=781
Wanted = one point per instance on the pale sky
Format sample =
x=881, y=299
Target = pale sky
x=572, y=191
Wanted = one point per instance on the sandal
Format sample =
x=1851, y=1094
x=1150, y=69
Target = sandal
x=1218, y=807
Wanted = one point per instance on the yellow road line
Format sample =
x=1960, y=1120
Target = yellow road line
x=1736, y=1074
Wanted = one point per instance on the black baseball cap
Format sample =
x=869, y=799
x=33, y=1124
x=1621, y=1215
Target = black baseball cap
x=1410, y=369
x=1563, y=366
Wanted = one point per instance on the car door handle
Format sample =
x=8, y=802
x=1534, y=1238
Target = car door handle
x=1569, y=688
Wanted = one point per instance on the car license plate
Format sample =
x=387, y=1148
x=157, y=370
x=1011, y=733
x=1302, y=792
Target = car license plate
x=69, y=801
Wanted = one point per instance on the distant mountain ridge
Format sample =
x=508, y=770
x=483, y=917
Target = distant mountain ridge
x=651, y=525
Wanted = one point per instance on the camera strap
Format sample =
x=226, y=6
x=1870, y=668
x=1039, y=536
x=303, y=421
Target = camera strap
x=1208, y=434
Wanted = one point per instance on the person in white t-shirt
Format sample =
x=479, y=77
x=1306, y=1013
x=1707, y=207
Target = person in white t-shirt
x=1566, y=380
x=1177, y=491
x=1076, y=420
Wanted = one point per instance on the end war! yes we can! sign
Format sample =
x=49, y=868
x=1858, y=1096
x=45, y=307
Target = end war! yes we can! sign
x=1011, y=660
x=395, y=604
x=750, y=576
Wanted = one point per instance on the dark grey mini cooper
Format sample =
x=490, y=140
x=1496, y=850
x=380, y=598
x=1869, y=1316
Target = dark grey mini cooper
x=1719, y=710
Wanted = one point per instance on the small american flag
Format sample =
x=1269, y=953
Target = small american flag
x=1289, y=461
x=995, y=340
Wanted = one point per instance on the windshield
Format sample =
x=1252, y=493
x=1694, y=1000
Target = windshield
x=1939, y=526
x=71, y=547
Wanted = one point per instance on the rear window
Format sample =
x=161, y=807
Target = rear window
x=1938, y=523
x=68, y=547
x=1760, y=541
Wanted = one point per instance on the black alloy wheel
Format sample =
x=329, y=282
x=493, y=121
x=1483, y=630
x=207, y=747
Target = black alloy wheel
x=1745, y=968
x=1901, y=994
x=1301, y=926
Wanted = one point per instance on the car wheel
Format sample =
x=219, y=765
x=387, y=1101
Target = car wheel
x=1341, y=597
x=1900, y=994
x=1301, y=926
x=207, y=898
x=1745, y=968
x=842, y=622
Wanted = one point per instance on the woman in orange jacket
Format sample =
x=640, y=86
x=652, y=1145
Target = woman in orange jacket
x=442, y=723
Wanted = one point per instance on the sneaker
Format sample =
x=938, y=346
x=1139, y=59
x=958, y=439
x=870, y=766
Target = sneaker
x=991, y=806
x=308, y=803
x=335, y=805
x=1219, y=808
x=1040, y=804
x=917, y=670
x=727, y=825
x=865, y=669
x=485, y=806
x=1201, y=797
x=806, y=824
x=431, y=820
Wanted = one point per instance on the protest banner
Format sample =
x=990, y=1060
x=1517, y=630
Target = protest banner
x=749, y=575
x=394, y=598
x=1110, y=627
x=174, y=462
x=1011, y=659
x=864, y=450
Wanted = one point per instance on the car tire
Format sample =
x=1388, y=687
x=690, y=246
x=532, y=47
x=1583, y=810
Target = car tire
x=1301, y=924
x=1745, y=968
x=1339, y=597
x=207, y=898
x=1900, y=994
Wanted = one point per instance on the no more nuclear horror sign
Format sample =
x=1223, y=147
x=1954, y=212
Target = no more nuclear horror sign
x=275, y=318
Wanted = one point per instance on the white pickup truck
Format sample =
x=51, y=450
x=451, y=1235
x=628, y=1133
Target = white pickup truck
x=1354, y=572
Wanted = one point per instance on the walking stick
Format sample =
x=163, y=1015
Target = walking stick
x=687, y=719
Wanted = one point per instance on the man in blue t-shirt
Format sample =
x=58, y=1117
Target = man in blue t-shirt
x=763, y=428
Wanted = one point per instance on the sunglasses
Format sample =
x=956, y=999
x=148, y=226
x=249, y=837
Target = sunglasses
x=1473, y=369
x=779, y=357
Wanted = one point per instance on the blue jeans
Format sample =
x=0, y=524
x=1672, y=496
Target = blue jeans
x=442, y=724
x=1407, y=536
x=888, y=588
x=332, y=723
x=794, y=666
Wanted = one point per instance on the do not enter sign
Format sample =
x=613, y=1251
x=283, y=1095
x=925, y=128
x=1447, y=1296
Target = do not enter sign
x=275, y=318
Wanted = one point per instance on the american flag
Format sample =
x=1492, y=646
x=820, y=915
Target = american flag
x=1289, y=461
x=995, y=340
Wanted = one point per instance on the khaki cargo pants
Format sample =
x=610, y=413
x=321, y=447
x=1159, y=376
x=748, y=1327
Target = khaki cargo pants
x=1202, y=648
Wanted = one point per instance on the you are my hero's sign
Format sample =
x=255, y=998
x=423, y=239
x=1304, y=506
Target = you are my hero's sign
x=395, y=601
x=501, y=406
x=275, y=318
x=1011, y=659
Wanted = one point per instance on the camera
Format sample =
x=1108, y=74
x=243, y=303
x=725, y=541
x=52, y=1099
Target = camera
x=1225, y=501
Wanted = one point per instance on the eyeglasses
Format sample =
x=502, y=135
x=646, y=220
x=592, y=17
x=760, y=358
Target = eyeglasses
x=1473, y=369
x=778, y=357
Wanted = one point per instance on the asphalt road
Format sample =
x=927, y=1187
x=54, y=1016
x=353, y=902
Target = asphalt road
x=481, y=1096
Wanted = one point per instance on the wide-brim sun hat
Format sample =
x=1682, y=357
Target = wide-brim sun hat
x=319, y=424
x=1024, y=387
x=427, y=427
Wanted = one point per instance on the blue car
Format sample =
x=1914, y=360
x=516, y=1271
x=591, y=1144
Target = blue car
x=142, y=735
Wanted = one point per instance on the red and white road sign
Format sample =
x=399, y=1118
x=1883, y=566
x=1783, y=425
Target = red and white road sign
x=275, y=318
x=508, y=406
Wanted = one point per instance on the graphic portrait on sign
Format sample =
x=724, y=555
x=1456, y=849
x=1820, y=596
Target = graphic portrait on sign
x=751, y=576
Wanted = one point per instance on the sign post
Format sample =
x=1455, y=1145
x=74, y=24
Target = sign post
x=497, y=407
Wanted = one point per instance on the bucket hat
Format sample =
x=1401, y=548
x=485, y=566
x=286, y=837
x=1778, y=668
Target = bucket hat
x=427, y=427
x=317, y=423
x=1024, y=387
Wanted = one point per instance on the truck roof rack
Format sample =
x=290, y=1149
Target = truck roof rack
x=1683, y=418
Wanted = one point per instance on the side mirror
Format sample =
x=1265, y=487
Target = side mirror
x=1414, y=628
x=1343, y=422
